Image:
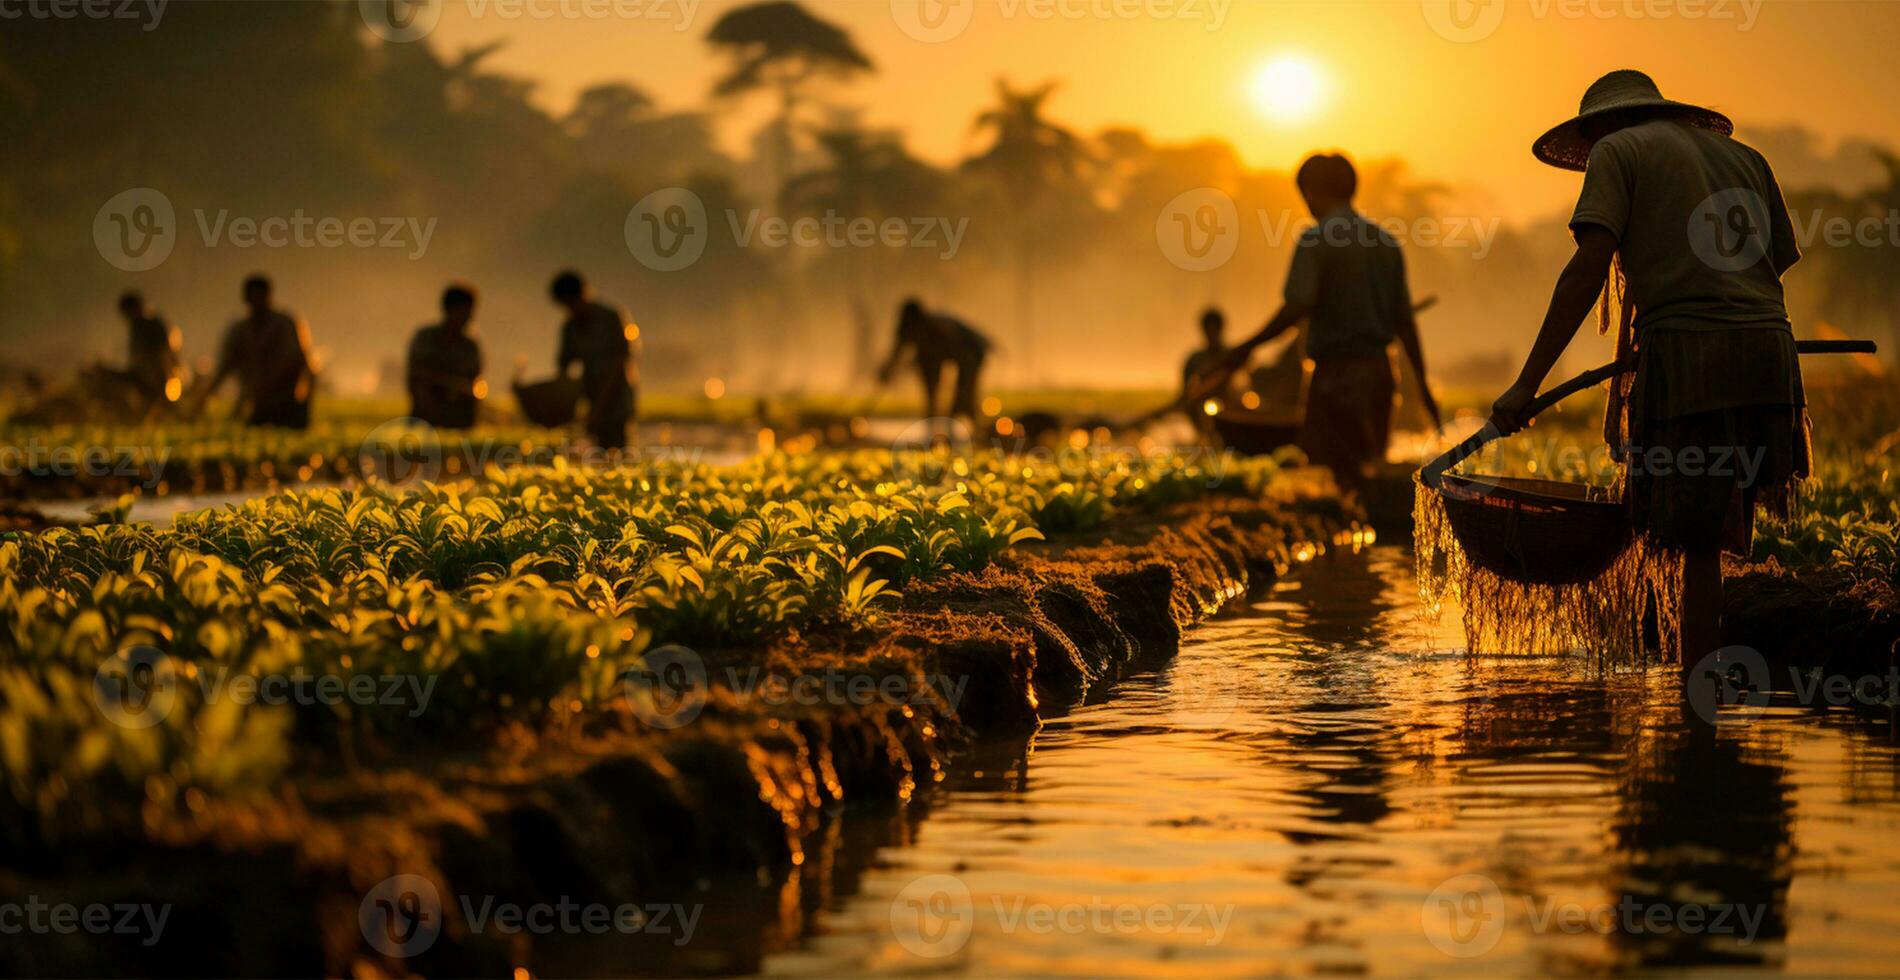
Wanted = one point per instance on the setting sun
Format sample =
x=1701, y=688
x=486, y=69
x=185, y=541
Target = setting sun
x=1288, y=89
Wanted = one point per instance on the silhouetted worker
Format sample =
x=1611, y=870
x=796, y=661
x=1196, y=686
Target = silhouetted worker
x=1347, y=283
x=269, y=352
x=1207, y=373
x=1695, y=224
x=152, y=353
x=935, y=340
x=603, y=340
x=445, y=365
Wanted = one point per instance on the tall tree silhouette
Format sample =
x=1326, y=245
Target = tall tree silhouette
x=870, y=175
x=781, y=48
x=1034, y=162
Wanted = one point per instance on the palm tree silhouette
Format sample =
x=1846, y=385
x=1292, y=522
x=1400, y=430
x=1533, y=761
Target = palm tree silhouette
x=870, y=175
x=1032, y=160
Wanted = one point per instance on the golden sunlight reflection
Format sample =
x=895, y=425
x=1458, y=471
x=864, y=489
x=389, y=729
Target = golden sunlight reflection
x=1288, y=795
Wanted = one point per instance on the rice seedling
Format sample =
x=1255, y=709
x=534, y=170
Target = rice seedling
x=444, y=613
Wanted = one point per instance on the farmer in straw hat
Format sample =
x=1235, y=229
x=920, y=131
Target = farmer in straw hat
x=1713, y=423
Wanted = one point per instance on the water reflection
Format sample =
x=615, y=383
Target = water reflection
x=1326, y=783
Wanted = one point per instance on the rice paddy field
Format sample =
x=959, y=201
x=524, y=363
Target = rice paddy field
x=392, y=642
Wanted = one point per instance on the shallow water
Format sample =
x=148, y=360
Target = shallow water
x=1323, y=782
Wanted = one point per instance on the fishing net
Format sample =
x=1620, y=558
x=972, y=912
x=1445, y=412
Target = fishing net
x=1539, y=574
x=1546, y=567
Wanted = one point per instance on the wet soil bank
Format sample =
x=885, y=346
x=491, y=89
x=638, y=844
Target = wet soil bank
x=619, y=813
x=1813, y=619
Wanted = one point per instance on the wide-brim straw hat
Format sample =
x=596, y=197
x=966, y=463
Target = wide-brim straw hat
x=1620, y=91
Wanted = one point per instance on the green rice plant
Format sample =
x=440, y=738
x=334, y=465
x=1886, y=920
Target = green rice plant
x=516, y=598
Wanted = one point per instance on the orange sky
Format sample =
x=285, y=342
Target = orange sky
x=1461, y=112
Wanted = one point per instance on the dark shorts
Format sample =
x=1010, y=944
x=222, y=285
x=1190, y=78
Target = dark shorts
x=1349, y=414
x=1696, y=478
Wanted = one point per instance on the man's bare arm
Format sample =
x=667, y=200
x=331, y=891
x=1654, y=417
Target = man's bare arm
x=1415, y=351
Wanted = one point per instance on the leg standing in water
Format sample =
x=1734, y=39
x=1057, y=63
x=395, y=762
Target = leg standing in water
x=1713, y=420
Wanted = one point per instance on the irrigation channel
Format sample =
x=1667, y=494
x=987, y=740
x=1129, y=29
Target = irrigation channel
x=1323, y=781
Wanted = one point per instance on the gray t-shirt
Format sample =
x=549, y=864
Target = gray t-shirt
x=1351, y=274
x=1701, y=227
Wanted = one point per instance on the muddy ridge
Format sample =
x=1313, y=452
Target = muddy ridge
x=616, y=812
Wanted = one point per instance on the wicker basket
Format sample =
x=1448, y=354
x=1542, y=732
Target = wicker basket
x=552, y=404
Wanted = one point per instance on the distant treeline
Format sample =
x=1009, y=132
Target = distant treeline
x=1057, y=242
